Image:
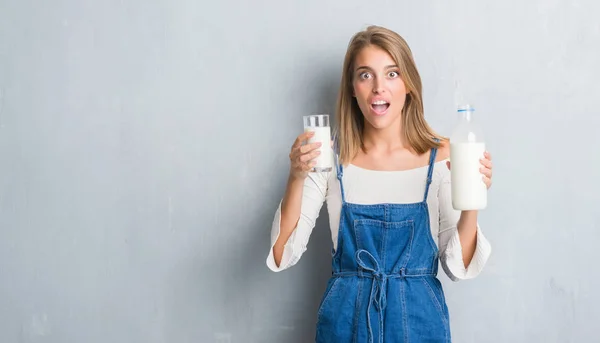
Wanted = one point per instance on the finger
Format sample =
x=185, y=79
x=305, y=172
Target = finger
x=487, y=155
x=448, y=164
x=308, y=166
x=487, y=163
x=301, y=138
x=487, y=172
x=294, y=154
x=487, y=181
x=310, y=156
x=301, y=166
x=309, y=147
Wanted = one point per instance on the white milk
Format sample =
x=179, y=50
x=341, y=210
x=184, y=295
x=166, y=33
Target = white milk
x=325, y=159
x=469, y=192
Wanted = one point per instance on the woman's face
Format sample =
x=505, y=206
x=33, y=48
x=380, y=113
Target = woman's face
x=378, y=88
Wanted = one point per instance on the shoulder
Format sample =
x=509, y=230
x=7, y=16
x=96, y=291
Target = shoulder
x=443, y=152
x=441, y=171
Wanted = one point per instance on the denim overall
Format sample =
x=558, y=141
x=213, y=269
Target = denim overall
x=384, y=287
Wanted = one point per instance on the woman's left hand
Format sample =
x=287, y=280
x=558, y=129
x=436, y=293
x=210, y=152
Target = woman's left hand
x=486, y=168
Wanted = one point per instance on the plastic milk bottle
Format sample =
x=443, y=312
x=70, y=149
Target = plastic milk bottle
x=467, y=146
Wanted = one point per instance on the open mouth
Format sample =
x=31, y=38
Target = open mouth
x=380, y=106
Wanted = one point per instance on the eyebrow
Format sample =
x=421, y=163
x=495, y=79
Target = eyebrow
x=369, y=68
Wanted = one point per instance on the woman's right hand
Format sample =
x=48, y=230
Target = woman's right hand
x=302, y=156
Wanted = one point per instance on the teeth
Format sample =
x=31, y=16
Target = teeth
x=380, y=102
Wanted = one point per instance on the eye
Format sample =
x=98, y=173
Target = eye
x=393, y=74
x=364, y=75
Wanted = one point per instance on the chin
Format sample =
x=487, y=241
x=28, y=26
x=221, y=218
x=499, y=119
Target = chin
x=379, y=122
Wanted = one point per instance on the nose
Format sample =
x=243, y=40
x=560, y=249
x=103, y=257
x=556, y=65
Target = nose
x=377, y=86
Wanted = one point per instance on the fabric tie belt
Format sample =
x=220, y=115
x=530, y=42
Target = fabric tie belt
x=378, y=295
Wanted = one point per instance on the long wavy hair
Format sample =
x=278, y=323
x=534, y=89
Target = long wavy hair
x=350, y=121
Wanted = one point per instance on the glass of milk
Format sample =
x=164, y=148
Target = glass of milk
x=467, y=146
x=319, y=124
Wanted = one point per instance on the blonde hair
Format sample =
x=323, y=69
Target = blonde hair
x=349, y=119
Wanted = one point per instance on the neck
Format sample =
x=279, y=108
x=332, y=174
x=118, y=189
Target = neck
x=390, y=138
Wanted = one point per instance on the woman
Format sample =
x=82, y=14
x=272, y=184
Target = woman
x=389, y=205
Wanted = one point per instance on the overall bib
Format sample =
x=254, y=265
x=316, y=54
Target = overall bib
x=384, y=288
